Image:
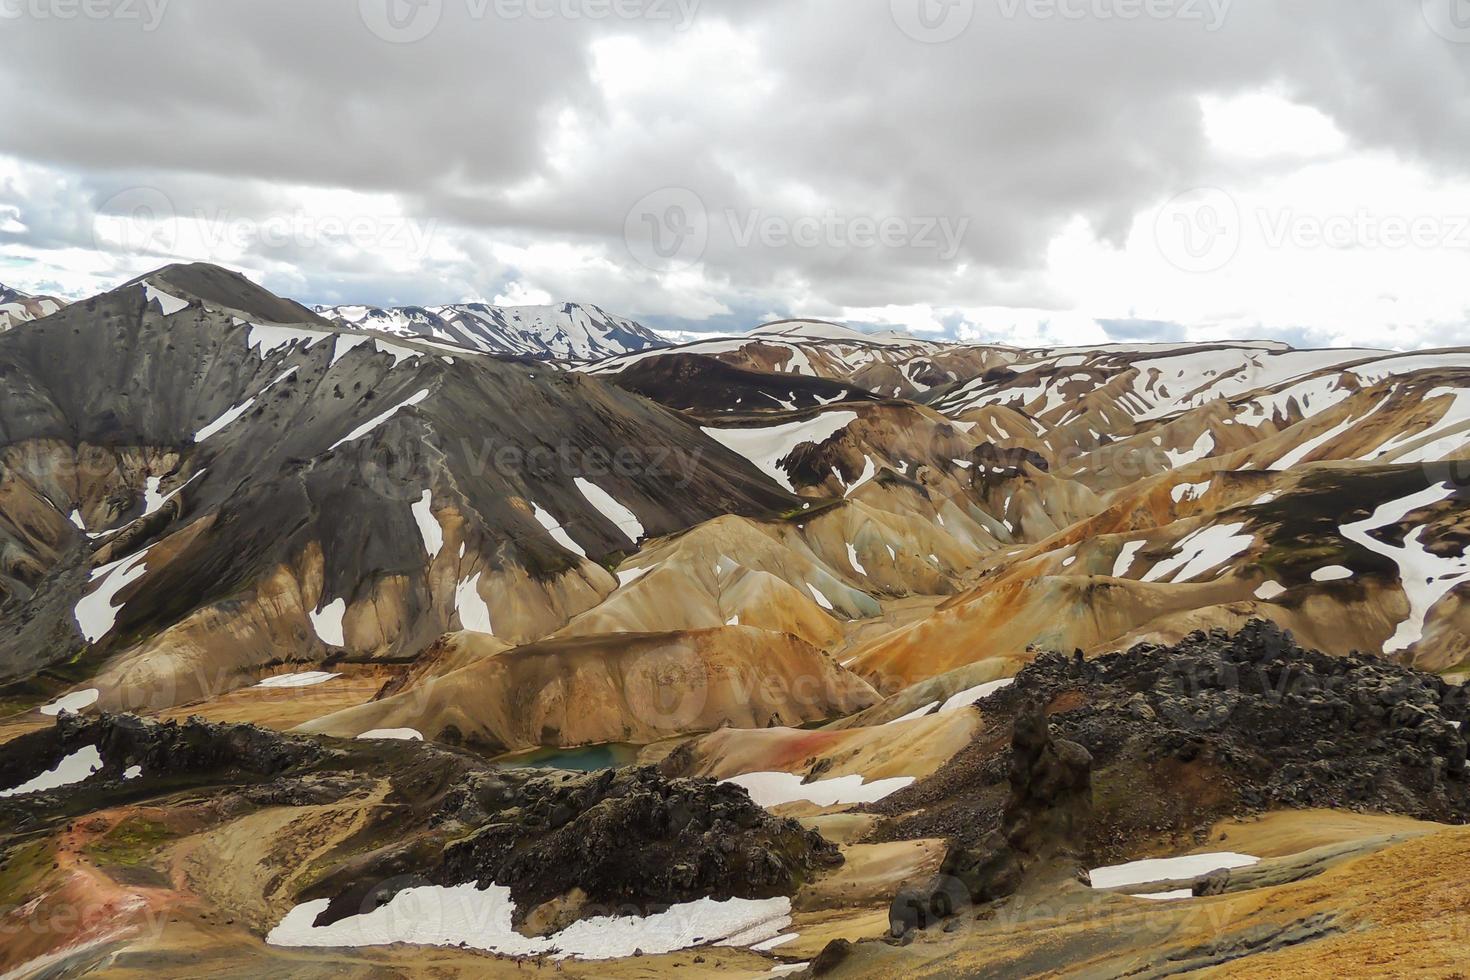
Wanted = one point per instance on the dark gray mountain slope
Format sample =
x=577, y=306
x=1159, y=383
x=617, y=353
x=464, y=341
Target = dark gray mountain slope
x=271, y=467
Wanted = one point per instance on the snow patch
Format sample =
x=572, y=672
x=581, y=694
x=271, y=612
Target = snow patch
x=309, y=678
x=557, y=532
x=768, y=445
x=266, y=337
x=1125, y=558
x=167, y=303
x=768, y=789
x=1270, y=590
x=474, y=612
x=1168, y=869
x=966, y=698
x=1189, y=491
x=346, y=342
x=820, y=597
x=95, y=613
x=625, y=519
x=916, y=713
x=1425, y=577
x=437, y=915
x=75, y=701
x=72, y=769
x=327, y=621
x=1201, y=551
x=633, y=574
x=429, y=529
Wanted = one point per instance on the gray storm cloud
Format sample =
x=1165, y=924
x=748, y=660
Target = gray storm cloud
x=511, y=125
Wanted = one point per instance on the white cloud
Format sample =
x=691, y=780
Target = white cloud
x=1266, y=124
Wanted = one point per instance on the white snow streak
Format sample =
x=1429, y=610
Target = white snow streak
x=557, y=532
x=474, y=612
x=625, y=519
x=1125, y=558
x=95, y=613
x=429, y=529
x=369, y=426
x=1424, y=576
x=1201, y=551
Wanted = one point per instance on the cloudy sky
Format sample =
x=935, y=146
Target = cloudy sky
x=1012, y=170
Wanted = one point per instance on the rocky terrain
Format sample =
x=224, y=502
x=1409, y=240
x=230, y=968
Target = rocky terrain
x=470, y=641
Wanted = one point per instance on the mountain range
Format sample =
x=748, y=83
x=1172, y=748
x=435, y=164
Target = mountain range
x=18, y=307
x=380, y=642
x=570, y=331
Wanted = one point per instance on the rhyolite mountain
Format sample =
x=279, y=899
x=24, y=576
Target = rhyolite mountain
x=872, y=654
x=17, y=307
x=569, y=331
x=186, y=447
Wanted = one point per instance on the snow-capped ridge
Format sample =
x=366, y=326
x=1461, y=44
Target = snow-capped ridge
x=567, y=331
x=17, y=307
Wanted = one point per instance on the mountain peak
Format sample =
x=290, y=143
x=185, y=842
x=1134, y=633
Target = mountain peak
x=804, y=329
x=227, y=290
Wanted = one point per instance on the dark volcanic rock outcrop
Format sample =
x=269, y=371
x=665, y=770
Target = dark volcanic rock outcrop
x=1290, y=727
x=1044, y=822
x=631, y=838
x=1217, y=725
x=177, y=750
